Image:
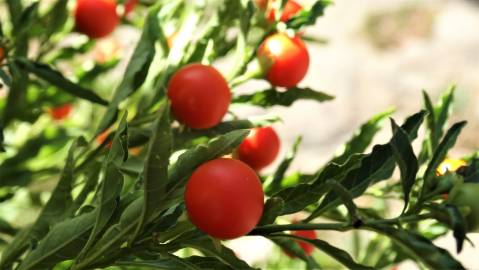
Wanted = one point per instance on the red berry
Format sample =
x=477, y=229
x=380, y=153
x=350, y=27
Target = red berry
x=199, y=96
x=290, y=10
x=96, y=18
x=260, y=148
x=285, y=59
x=130, y=5
x=61, y=112
x=224, y=198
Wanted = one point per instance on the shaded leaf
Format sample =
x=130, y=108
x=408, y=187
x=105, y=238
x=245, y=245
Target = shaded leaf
x=405, y=159
x=308, y=17
x=57, y=79
x=54, y=210
x=111, y=184
x=155, y=173
x=440, y=154
x=137, y=68
x=376, y=166
x=272, y=209
x=338, y=254
x=63, y=242
x=420, y=248
x=272, y=97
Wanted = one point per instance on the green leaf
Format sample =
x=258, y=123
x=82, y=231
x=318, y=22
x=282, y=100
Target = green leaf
x=63, y=242
x=298, y=197
x=338, y=254
x=137, y=68
x=224, y=254
x=376, y=166
x=187, y=138
x=272, y=209
x=111, y=184
x=362, y=138
x=345, y=196
x=6, y=228
x=405, y=159
x=419, y=248
x=178, y=173
x=56, y=17
x=293, y=248
x=277, y=177
x=440, y=154
x=271, y=97
x=450, y=215
x=57, y=79
x=177, y=263
x=54, y=210
x=5, y=78
x=155, y=173
x=308, y=17
x=191, y=159
x=436, y=121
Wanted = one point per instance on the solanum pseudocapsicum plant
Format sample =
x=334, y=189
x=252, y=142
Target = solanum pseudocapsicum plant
x=197, y=178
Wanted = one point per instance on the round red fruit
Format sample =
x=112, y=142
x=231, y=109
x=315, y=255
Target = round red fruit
x=290, y=10
x=309, y=234
x=285, y=59
x=260, y=148
x=224, y=198
x=199, y=96
x=61, y=112
x=96, y=18
x=130, y=5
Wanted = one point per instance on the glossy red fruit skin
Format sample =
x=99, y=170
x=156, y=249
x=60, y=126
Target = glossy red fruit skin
x=290, y=9
x=260, y=148
x=224, y=198
x=96, y=18
x=130, y=5
x=285, y=59
x=200, y=96
x=61, y=112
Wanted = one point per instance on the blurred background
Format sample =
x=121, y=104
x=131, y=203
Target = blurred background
x=376, y=55
x=381, y=54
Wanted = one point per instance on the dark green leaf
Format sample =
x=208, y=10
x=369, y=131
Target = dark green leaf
x=56, y=17
x=111, y=184
x=63, y=242
x=420, y=248
x=155, y=173
x=308, y=17
x=376, y=166
x=272, y=97
x=405, y=159
x=5, y=78
x=362, y=138
x=449, y=214
x=226, y=255
x=298, y=197
x=55, y=209
x=175, y=264
x=272, y=209
x=191, y=159
x=345, y=197
x=57, y=79
x=440, y=154
x=6, y=228
x=137, y=68
x=293, y=248
x=338, y=254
